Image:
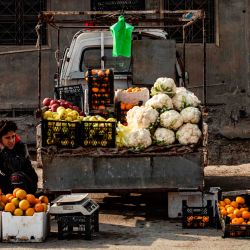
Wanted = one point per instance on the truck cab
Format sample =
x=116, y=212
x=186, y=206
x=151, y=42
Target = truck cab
x=151, y=50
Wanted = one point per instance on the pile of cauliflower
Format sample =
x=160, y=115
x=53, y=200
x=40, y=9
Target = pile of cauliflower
x=170, y=116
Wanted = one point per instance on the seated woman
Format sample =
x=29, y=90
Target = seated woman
x=15, y=166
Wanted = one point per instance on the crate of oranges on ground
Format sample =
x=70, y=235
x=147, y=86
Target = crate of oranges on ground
x=25, y=218
x=234, y=215
x=197, y=217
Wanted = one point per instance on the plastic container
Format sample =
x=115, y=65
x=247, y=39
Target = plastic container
x=197, y=217
x=81, y=225
x=234, y=230
x=25, y=228
x=72, y=93
x=100, y=89
x=60, y=133
x=98, y=134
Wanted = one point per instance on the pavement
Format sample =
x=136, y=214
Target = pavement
x=139, y=222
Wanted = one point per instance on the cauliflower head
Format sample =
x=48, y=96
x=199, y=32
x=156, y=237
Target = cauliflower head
x=188, y=134
x=191, y=115
x=171, y=119
x=184, y=98
x=164, y=136
x=159, y=102
x=139, y=138
x=142, y=117
x=164, y=85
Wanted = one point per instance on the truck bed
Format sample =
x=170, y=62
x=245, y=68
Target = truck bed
x=104, y=170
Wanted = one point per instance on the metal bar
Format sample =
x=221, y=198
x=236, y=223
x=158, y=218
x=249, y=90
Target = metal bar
x=58, y=57
x=204, y=63
x=107, y=27
x=184, y=55
x=39, y=65
x=126, y=12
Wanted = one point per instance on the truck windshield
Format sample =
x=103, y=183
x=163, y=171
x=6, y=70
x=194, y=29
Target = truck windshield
x=91, y=58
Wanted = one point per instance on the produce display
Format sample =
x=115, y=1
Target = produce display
x=61, y=110
x=96, y=131
x=132, y=95
x=171, y=116
x=235, y=209
x=100, y=89
x=19, y=203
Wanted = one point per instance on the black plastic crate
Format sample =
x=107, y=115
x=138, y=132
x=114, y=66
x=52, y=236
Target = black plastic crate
x=72, y=93
x=71, y=225
x=60, y=133
x=233, y=230
x=100, y=89
x=98, y=134
x=197, y=217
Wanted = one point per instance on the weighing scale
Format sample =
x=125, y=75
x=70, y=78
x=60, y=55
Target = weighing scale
x=73, y=203
x=75, y=213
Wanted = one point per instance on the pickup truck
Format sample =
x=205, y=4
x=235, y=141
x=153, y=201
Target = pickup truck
x=108, y=169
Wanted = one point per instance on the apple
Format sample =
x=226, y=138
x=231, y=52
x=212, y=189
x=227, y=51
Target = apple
x=54, y=107
x=54, y=102
x=46, y=101
x=81, y=113
x=76, y=108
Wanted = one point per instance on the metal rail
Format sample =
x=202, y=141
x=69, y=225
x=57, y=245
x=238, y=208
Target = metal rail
x=178, y=15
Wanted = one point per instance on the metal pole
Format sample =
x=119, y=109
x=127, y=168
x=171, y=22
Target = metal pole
x=204, y=63
x=58, y=56
x=184, y=55
x=39, y=65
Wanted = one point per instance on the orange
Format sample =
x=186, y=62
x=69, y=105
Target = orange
x=15, y=190
x=240, y=200
x=227, y=201
x=227, y=206
x=10, y=197
x=234, y=204
x=222, y=203
x=248, y=223
x=24, y=204
x=44, y=199
x=38, y=201
x=45, y=207
x=231, y=216
x=18, y=212
x=230, y=210
x=2, y=205
x=30, y=211
x=31, y=198
x=39, y=207
x=223, y=212
x=237, y=212
x=240, y=220
x=245, y=214
x=15, y=201
x=4, y=199
x=235, y=221
x=21, y=194
x=9, y=207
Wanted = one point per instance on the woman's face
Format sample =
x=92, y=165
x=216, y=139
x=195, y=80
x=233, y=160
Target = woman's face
x=9, y=140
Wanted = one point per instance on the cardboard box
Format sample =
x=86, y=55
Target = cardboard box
x=25, y=228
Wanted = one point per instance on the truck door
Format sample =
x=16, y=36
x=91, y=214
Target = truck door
x=153, y=59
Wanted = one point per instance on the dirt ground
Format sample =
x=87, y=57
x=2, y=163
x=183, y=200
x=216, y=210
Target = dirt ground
x=128, y=223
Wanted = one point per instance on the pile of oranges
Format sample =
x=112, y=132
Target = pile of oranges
x=236, y=210
x=20, y=203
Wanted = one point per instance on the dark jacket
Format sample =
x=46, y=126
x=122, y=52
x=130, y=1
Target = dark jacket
x=16, y=162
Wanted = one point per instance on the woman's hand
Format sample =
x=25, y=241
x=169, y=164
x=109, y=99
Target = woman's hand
x=1, y=146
